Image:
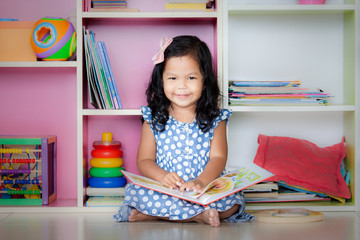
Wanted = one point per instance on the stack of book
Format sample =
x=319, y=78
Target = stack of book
x=107, y=6
x=105, y=197
x=185, y=5
x=274, y=93
x=103, y=91
x=280, y=192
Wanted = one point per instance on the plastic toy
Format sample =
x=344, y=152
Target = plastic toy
x=106, y=164
x=106, y=172
x=106, y=153
x=110, y=182
x=27, y=170
x=53, y=39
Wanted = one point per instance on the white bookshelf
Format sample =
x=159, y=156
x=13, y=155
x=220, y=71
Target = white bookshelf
x=167, y=24
x=317, y=44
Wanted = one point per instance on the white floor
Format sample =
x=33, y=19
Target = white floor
x=87, y=226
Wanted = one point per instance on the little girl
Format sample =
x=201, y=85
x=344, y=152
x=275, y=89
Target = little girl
x=183, y=139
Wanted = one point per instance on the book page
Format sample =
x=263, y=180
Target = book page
x=221, y=187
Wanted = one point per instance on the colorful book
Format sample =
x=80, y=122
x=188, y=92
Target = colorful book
x=266, y=83
x=221, y=187
x=96, y=70
x=101, y=74
x=185, y=6
x=96, y=98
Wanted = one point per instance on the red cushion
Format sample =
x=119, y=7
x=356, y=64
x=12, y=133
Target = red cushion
x=300, y=162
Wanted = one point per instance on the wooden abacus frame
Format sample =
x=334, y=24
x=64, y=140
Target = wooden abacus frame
x=46, y=145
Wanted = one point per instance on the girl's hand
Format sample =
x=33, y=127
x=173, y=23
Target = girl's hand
x=172, y=180
x=194, y=185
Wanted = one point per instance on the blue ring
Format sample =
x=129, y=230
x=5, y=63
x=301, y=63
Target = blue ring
x=107, y=182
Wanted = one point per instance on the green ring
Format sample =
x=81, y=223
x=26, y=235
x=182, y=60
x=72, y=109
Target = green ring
x=106, y=172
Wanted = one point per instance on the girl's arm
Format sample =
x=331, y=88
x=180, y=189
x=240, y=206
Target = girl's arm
x=217, y=161
x=146, y=160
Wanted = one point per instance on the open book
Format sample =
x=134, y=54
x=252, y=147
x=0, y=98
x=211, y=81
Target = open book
x=221, y=187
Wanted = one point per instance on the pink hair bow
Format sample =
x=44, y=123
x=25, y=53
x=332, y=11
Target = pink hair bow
x=159, y=56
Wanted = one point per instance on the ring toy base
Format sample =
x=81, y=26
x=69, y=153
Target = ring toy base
x=98, y=182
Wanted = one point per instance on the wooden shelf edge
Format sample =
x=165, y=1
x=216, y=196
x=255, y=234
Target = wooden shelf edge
x=154, y=15
x=106, y=112
x=40, y=64
x=291, y=9
x=330, y=108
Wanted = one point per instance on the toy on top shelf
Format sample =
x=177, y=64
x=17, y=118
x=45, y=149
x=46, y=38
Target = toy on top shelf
x=28, y=170
x=53, y=39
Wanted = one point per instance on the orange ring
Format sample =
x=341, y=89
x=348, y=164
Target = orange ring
x=106, y=162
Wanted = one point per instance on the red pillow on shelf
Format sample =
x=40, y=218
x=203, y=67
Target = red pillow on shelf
x=300, y=162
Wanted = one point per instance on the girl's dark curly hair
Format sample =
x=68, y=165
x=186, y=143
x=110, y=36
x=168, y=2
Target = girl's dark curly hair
x=207, y=107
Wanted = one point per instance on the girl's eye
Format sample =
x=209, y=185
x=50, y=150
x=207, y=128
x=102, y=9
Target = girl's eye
x=172, y=78
x=192, y=78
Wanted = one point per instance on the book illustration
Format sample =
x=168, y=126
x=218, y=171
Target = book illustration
x=288, y=215
x=226, y=185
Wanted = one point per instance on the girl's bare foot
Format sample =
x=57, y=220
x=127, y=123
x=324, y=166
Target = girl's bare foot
x=211, y=217
x=136, y=216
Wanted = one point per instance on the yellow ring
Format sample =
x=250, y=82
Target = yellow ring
x=106, y=162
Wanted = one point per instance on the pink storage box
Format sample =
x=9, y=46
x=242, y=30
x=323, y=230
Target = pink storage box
x=312, y=1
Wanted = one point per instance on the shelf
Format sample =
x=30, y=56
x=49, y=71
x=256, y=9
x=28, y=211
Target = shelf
x=331, y=108
x=105, y=112
x=40, y=64
x=154, y=15
x=59, y=205
x=316, y=206
x=290, y=9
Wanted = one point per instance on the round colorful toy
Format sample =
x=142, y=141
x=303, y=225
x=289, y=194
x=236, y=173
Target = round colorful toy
x=53, y=39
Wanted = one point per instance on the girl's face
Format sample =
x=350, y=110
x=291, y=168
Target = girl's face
x=183, y=81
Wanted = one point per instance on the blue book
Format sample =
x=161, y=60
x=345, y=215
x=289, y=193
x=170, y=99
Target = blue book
x=112, y=75
x=101, y=74
x=107, y=75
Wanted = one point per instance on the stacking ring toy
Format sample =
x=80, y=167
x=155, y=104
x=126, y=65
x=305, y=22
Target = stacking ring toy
x=106, y=153
x=106, y=162
x=112, y=182
x=106, y=172
x=107, y=142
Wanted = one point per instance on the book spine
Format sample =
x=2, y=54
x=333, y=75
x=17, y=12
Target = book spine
x=107, y=74
x=112, y=77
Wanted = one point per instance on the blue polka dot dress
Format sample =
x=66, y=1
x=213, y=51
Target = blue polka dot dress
x=182, y=148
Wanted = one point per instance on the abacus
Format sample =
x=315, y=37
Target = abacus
x=27, y=170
